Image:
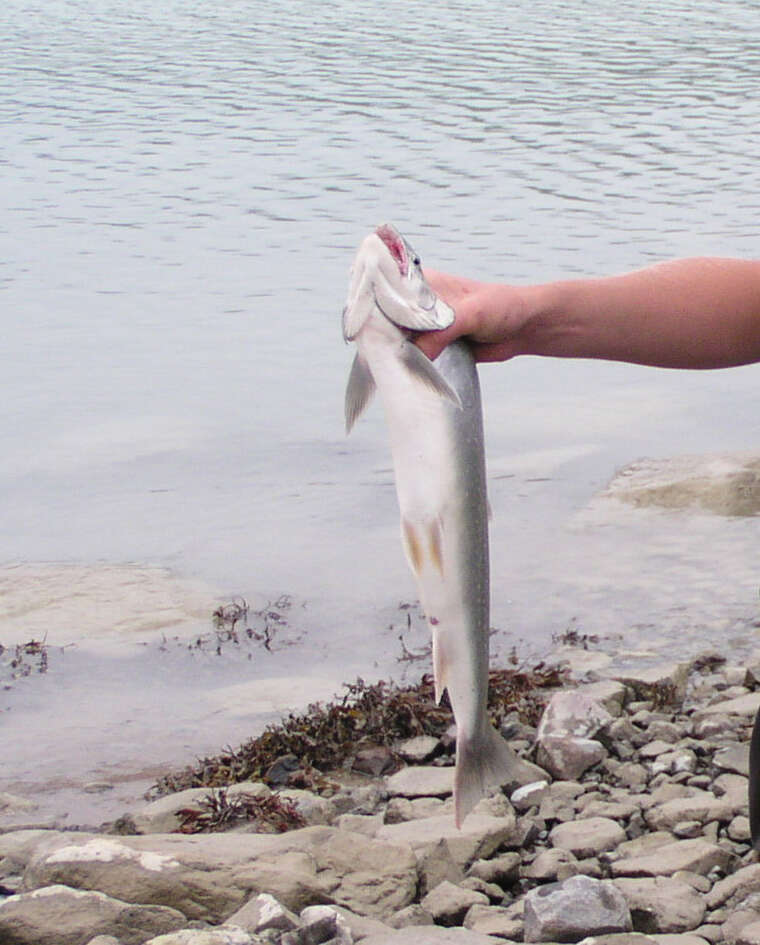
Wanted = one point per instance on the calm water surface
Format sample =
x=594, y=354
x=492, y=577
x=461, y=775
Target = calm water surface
x=183, y=186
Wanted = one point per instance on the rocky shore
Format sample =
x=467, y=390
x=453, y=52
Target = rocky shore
x=631, y=829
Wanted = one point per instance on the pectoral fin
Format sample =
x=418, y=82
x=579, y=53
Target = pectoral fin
x=359, y=391
x=423, y=369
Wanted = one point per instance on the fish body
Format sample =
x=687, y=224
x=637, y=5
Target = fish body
x=434, y=418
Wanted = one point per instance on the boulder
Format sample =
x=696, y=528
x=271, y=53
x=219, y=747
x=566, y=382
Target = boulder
x=567, y=757
x=587, y=837
x=211, y=876
x=566, y=911
x=662, y=904
x=58, y=915
x=698, y=856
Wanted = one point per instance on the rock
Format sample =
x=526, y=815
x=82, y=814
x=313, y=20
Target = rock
x=210, y=877
x=413, y=915
x=374, y=761
x=431, y=936
x=419, y=749
x=572, y=712
x=494, y=920
x=502, y=869
x=662, y=904
x=667, y=681
x=609, y=693
x=448, y=904
x=435, y=864
x=701, y=807
x=280, y=770
x=721, y=483
x=735, y=888
x=749, y=935
x=697, y=856
x=587, y=837
x=58, y=915
x=568, y=757
x=479, y=837
x=263, y=912
x=162, y=815
x=743, y=705
x=421, y=781
x=578, y=906
x=320, y=924
x=549, y=863
x=529, y=795
x=367, y=824
x=734, y=758
x=738, y=830
x=220, y=936
x=314, y=809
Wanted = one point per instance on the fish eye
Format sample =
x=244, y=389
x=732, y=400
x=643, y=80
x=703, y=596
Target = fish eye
x=416, y=260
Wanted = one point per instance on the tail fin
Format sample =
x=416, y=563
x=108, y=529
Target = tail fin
x=754, y=784
x=482, y=763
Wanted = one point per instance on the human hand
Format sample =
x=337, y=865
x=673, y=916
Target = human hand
x=490, y=314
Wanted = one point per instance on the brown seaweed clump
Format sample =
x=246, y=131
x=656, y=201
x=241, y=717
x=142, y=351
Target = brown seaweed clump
x=327, y=737
x=217, y=811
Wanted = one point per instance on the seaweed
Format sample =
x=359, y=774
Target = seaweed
x=218, y=811
x=327, y=737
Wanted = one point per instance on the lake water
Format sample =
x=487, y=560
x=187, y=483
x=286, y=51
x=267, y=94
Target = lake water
x=183, y=186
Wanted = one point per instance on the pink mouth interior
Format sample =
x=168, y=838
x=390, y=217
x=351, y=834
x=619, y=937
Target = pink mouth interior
x=395, y=245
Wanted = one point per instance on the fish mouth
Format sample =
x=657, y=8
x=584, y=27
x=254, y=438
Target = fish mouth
x=396, y=246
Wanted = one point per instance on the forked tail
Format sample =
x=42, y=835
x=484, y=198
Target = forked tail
x=482, y=763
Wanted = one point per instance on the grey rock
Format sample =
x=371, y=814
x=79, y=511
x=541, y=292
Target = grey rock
x=430, y=936
x=735, y=888
x=448, y=904
x=697, y=856
x=435, y=864
x=409, y=916
x=220, y=936
x=742, y=705
x=367, y=824
x=572, y=712
x=701, y=807
x=263, y=912
x=568, y=757
x=421, y=781
x=587, y=837
x=609, y=693
x=734, y=758
x=479, y=837
x=58, y=915
x=749, y=935
x=549, y=863
x=320, y=924
x=668, y=679
x=662, y=904
x=162, y=815
x=419, y=749
x=494, y=920
x=210, y=877
x=502, y=869
x=739, y=830
x=529, y=795
x=564, y=912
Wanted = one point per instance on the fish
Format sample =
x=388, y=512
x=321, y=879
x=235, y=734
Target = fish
x=435, y=422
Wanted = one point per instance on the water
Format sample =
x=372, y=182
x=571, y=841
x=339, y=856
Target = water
x=183, y=186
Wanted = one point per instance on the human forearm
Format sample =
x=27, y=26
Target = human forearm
x=689, y=313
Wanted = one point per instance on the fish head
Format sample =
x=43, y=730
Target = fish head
x=387, y=275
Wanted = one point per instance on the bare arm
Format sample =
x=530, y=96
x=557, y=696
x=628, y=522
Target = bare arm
x=688, y=313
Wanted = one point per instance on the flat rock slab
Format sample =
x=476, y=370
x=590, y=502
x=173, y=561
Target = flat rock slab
x=696, y=856
x=662, y=904
x=211, y=876
x=57, y=915
x=480, y=836
x=431, y=935
x=721, y=483
x=565, y=912
x=421, y=781
x=741, y=705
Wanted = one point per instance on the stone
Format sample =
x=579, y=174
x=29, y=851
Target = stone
x=749, y=935
x=448, y=904
x=702, y=807
x=209, y=877
x=421, y=781
x=321, y=924
x=548, y=864
x=430, y=936
x=479, y=837
x=572, y=712
x=743, y=705
x=609, y=693
x=698, y=856
x=738, y=830
x=493, y=920
x=578, y=906
x=502, y=869
x=162, y=815
x=735, y=888
x=367, y=824
x=413, y=915
x=734, y=758
x=219, y=936
x=587, y=837
x=58, y=915
x=263, y=912
x=568, y=757
x=662, y=904
x=435, y=864
x=529, y=795
x=667, y=680
x=374, y=761
x=418, y=749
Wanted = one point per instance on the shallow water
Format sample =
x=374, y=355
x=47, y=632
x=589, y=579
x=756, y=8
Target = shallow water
x=182, y=189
